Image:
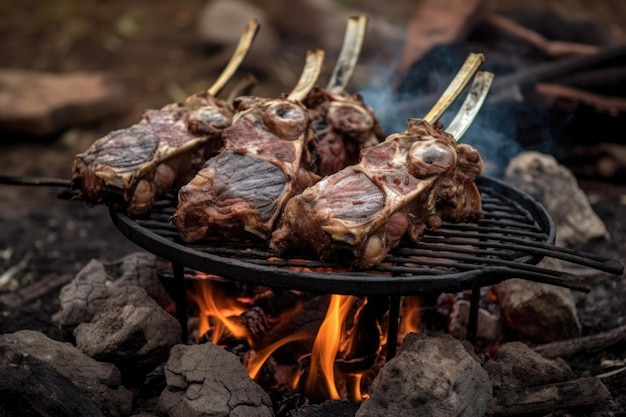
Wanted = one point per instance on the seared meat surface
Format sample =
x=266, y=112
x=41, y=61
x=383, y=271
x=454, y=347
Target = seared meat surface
x=412, y=180
x=244, y=188
x=130, y=167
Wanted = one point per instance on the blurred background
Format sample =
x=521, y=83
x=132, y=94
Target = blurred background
x=151, y=53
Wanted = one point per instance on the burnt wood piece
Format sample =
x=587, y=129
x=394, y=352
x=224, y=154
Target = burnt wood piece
x=576, y=394
x=585, y=344
x=506, y=87
x=267, y=309
x=34, y=389
x=44, y=104
x=609, y=81
x=331, y=408
x=364, y=336
x=606, y=160
x=569, y=98
x=306, y=319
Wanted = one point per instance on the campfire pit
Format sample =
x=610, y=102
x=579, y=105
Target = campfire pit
x=456, y=257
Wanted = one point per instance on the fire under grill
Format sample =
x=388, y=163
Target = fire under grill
x=514, y=235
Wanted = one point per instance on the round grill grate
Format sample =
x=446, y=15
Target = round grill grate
x=514, y=235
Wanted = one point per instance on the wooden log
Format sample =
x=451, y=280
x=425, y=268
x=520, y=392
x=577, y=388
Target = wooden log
x=557, y=95
x=507, y=88
x=552, y=48
x=582, y=392
x=585, y=344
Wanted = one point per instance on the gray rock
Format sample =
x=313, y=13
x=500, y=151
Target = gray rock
x=205, y=380
x=130, y=328
x=539, y=312
x=81, y=298
x=101, y=382
x=556, y=188
x=489, y=327
x=41, y=104
x=432, y=376
x=515, y=365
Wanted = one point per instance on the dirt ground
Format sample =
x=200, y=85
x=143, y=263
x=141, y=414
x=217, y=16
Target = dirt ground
x=151, y=46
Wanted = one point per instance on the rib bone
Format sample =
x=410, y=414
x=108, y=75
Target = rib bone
x=248, y=35
x=308, y=78
x=349, y=55
x=472, y=104
x=456, y=86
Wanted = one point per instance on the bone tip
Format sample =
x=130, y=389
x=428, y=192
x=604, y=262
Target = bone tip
x=361, y=18
x=478, y=56
x=253, y=24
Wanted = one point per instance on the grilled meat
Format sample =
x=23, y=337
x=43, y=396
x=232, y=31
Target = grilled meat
x=130, y=167
x=414, y=179
x=342, y=123
x=265, y=161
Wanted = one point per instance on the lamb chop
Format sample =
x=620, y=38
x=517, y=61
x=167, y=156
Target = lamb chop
x=342, y=123
x=131, y=167
x=265, y=161
x=413, y=179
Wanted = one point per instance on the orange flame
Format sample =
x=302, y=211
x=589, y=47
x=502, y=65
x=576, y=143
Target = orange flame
x=218, y=312
x=212, y=303
x=254, y=365
x=409, y=316
x=326, y=345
